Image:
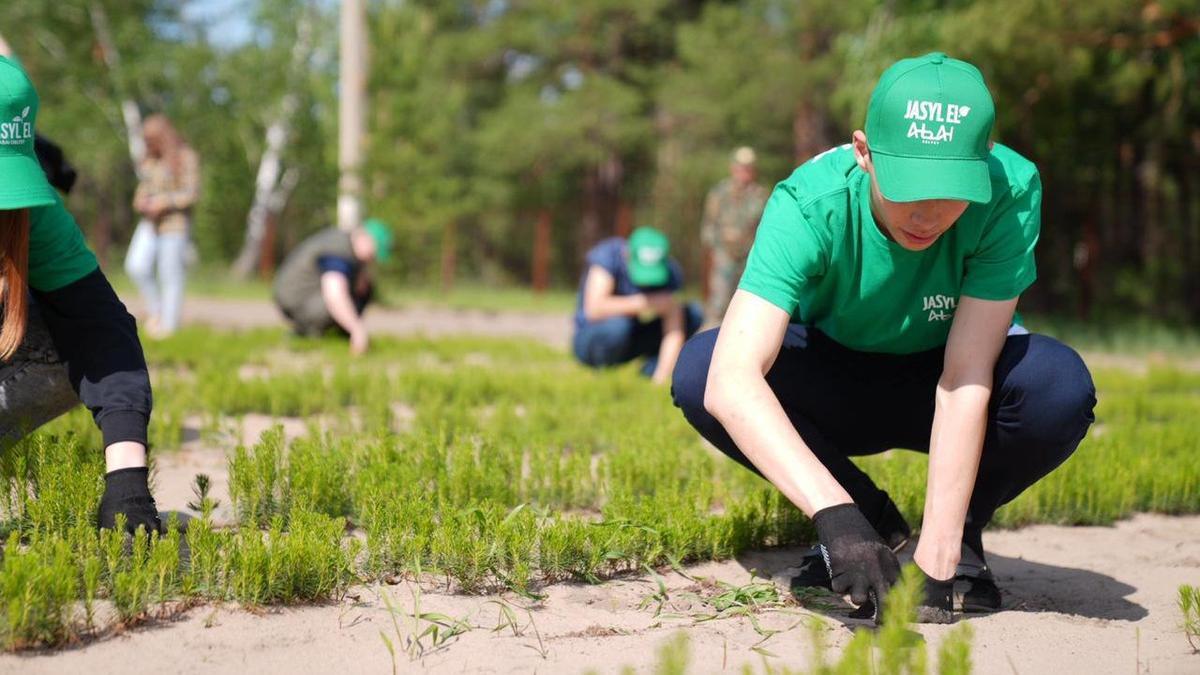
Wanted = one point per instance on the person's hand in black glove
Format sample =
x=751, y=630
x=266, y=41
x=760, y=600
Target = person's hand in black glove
x=938, y=604
x=126, y=491
x=859, y=561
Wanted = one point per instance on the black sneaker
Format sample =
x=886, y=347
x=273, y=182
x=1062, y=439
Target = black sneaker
x=974, y=585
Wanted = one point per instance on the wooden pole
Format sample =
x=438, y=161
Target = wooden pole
x=449, y=255
x=352, y=76
x=541, y=251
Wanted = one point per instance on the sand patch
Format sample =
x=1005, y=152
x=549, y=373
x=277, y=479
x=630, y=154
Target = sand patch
x=1078, y=600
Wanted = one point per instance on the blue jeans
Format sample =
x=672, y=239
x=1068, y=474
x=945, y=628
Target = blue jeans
x=156, y=263
x=622, y=339
x=846, y=403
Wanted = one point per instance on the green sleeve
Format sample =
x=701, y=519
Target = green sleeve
x=1003, y=266
x=58, y=255
x=787, y=253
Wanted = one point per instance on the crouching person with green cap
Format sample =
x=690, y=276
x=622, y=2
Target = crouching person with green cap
x=877, y=312
x=628, y=305
x=64, y=335
x=326, y=283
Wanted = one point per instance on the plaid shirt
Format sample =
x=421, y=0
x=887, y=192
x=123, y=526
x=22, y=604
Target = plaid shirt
x=181, y=190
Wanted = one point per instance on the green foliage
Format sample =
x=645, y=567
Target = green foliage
x=38, y=587
x=310, y=562
x=483, y=114
x=1189, y=609
x=487, y=478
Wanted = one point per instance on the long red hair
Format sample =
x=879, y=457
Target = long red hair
x=14, y=270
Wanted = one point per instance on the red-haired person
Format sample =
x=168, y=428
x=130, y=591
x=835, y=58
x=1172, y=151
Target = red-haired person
x=64, y=335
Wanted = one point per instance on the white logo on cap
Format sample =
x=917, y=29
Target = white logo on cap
x=947, y=116
x=650, y=256
x=17, y=131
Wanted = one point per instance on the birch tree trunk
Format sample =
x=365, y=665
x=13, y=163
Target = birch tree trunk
x=270, y=195
x=129, y=109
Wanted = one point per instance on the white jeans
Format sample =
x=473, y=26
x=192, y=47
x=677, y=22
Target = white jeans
x=151, y=252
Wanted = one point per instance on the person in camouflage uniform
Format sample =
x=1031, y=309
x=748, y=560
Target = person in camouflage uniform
x=731, y=214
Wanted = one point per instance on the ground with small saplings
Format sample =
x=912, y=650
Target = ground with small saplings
x=443, y=493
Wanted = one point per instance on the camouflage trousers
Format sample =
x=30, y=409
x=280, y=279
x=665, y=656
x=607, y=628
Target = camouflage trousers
x=34, y=387
x=722, y=282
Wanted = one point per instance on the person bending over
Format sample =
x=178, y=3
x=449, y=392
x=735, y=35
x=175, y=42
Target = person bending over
x=876, y=312
x=64, y=335
x=628, y=305
x=326, y=282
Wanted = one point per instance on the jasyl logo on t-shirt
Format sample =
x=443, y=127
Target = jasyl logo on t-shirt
x=934, y=111
x=940, y=307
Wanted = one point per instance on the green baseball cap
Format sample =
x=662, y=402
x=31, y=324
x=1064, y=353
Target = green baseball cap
x=928, y=128
x=382, y=234
x=24, y=184
x=648, y=262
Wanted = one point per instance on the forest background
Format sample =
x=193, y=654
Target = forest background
x=504, y=137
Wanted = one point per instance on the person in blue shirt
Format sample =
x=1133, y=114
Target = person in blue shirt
x=628, y=305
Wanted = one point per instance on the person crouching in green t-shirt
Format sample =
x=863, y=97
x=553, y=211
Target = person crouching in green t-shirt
x=876, y=311
x=65, y=337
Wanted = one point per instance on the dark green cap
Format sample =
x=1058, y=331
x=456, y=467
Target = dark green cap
x=24, y=184
x=928, y=128
x=648, y=262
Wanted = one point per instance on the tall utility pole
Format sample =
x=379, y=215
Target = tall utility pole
x=352, y=94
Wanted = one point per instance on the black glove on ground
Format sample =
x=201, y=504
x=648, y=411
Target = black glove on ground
x=938, y=604
x=859, y=561
x=126, y=491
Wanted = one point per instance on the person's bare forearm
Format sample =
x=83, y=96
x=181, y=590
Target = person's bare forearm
x=672, y=343
x=609, y=306
x=955, y=447
x=754, y=419
x=341, y=305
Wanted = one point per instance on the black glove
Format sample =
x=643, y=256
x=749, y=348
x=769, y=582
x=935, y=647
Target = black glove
x=938, y=604
x=857, y=558
x=126, y=491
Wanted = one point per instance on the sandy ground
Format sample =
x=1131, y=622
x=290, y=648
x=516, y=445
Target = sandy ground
x=552, y=329
x=1077, y=600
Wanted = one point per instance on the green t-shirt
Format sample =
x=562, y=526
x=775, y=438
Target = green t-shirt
x=819, y=256
x=58, y=255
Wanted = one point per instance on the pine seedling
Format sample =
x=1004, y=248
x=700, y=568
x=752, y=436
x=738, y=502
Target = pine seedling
x=207, y=571
x=203, y=503
x=37, y=590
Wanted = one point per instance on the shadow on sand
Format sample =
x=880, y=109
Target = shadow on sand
x=1025, y=586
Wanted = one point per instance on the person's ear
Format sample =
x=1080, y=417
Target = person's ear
x=862, y=153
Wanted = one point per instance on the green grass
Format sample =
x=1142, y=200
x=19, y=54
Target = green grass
x=1189, y=609
x=215, y=282
x=1136, y=336
x=495, y=464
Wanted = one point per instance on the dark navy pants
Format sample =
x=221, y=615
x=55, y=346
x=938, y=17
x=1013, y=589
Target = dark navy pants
x=622, y=339
x=846, y=403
